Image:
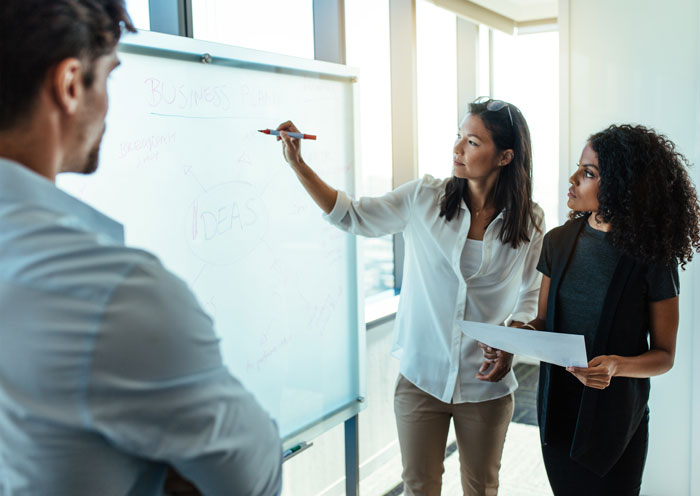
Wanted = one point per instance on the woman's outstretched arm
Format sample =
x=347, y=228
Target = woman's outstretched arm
x=322, y=193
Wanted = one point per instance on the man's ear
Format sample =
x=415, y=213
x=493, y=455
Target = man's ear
x=506, y=157
x=67, y=84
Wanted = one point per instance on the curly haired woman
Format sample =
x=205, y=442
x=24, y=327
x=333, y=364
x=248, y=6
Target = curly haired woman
x=611, y=274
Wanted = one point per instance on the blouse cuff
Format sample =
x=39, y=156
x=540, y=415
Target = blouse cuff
x=341, y=207
x=521, y=317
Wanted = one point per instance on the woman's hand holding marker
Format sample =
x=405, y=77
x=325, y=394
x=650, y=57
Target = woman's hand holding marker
x=274, y=132
x=291, y=147
x=323, y=195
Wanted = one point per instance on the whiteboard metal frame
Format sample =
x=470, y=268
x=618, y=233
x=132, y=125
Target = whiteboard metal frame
x=189, y=49
x=180, y=47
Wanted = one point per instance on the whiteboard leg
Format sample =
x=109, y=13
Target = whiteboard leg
x=352, y=458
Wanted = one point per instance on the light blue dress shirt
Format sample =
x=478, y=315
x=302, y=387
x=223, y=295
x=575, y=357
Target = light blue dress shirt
x=109, y=368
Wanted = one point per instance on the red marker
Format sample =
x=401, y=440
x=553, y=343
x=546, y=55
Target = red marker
x=293, y=135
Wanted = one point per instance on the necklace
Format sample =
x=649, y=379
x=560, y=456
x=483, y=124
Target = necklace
x=478, y=211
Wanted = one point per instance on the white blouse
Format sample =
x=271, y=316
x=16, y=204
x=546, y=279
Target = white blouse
x=471, y=258
x=434, y=354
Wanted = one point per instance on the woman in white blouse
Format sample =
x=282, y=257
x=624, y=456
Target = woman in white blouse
x=472, y=245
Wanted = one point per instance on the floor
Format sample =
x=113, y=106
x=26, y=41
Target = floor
x=522, y=472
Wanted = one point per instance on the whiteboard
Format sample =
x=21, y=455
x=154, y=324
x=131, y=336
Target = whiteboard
x=184, y=169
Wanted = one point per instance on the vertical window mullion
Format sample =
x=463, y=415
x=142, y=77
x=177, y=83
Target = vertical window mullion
x=329, y=30
x=404, y=132
x=171, y=17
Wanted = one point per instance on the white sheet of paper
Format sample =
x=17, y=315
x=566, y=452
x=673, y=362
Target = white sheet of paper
x=567, y=350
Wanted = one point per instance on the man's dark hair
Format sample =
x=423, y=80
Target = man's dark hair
x=646, y=195
x=513, y=190
x=37, y=34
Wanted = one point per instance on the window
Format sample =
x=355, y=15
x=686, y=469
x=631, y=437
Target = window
x=140, y=16
x=436, y=33
x=367, y=48
x=281, y=26
x=515, y=60
x=484, y=61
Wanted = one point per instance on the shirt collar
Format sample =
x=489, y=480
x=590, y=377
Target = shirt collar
x=22, y=185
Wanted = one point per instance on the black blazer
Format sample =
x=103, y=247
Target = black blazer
x=607, y=418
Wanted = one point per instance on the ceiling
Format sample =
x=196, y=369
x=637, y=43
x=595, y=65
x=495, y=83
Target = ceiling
x=522, y=10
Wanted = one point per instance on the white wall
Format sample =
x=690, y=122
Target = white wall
x=638, y=61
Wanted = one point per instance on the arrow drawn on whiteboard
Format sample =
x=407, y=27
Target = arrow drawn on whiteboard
x=188, y=172
x=81, y=191
x=196, y=278
x=210, y=307
x=244, y=159
x=269, y=246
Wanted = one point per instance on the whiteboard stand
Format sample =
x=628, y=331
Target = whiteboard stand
x=352, y=458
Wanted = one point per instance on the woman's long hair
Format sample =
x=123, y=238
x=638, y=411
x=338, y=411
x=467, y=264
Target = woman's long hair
x=512, y=192
x=646, y=195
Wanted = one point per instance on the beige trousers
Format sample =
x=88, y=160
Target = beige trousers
x=423, y=423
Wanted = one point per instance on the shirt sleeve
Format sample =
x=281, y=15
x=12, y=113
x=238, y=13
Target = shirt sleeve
x=526, y=307
x=374, y=216
x=662, y=282
x=545, y=263
x=158, y=389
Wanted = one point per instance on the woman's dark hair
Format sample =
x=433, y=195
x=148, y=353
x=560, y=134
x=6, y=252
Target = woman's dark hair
x=512, y=193
x=646, y=195
x=37, y=34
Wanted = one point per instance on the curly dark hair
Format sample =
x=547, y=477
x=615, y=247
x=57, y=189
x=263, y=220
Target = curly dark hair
x=512, y=192
x=646, y=195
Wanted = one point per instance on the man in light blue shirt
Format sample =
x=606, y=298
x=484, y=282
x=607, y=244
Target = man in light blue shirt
x=110, y=372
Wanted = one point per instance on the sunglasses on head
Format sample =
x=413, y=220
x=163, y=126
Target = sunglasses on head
x=495, y=106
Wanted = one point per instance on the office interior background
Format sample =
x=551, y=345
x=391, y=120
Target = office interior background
x=572, y=66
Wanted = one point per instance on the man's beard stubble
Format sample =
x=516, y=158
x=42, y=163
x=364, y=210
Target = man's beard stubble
x=91, y=162
x=93, y=158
